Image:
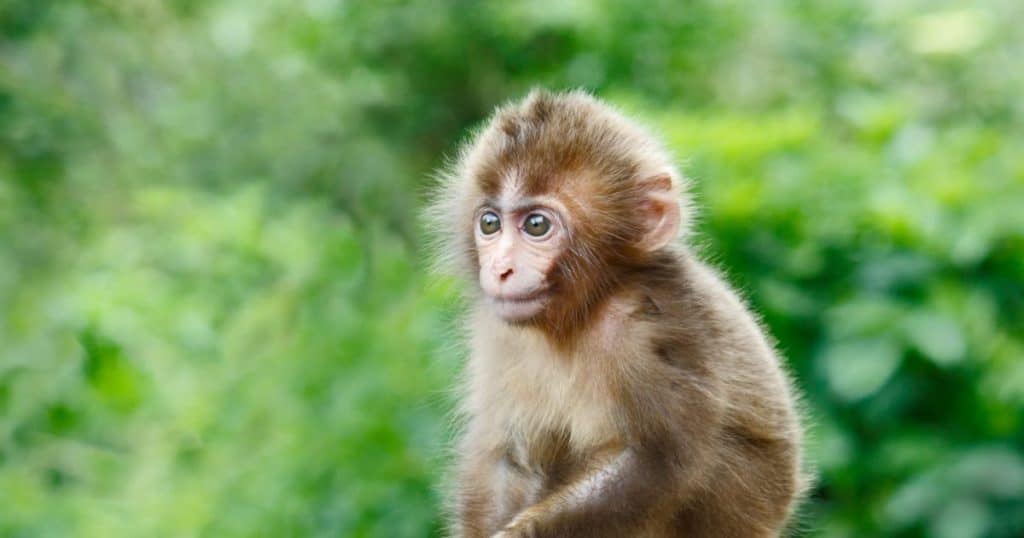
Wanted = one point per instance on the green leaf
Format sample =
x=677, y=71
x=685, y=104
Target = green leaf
x=858, y=368
x=936, y=336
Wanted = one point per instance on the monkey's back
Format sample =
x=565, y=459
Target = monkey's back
x=759, y=476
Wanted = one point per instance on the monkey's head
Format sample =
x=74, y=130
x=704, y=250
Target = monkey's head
x=553, y=205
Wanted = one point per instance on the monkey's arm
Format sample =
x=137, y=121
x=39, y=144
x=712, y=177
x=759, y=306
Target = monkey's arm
x=626, y=486
x=475, y=504
x=612, y=498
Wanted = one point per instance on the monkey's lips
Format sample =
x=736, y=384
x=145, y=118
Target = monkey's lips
x=519, y=307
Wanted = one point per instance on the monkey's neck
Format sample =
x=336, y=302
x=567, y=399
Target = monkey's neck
x=639, y=287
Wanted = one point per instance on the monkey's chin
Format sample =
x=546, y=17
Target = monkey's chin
x=518, y=310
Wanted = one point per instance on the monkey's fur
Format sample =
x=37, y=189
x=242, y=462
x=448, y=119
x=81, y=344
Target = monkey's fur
x=645, y=400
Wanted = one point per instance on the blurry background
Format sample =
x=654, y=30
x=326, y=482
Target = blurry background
x=214, y=317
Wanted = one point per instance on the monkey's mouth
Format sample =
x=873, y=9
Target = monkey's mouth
x=520, y=307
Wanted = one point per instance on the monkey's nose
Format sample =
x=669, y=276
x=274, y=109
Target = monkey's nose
x=504, y=276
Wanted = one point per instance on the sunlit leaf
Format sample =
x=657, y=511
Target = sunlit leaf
x=858, y=368
x=937, y=336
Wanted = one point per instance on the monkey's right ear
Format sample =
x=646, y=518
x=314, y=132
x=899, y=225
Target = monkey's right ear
x=661, y=213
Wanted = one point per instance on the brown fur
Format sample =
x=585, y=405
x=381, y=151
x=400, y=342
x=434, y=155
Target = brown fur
x=645, y=400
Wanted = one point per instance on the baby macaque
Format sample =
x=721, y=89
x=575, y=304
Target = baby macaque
x=615, y=386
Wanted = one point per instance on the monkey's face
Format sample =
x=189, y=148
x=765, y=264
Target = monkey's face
x=518, y=241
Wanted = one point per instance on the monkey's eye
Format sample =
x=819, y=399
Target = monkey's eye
x=537, y=225
x=489, y=223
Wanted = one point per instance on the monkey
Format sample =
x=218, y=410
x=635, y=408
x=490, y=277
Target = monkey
x=615, y=385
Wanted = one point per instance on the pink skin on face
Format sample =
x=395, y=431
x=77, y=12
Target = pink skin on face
x=514, y=263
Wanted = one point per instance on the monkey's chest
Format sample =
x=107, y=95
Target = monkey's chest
x=547, y=407
x=527, y=393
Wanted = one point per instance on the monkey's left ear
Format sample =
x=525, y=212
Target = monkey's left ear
x=661, y=212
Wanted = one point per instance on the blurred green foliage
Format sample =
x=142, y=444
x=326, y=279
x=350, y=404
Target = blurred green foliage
x=213, y=313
